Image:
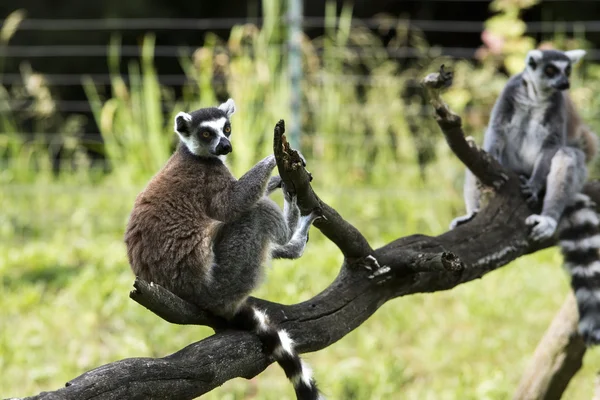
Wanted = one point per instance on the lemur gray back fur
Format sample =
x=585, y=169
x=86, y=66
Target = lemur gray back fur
x=205, y=236
x=535, y=131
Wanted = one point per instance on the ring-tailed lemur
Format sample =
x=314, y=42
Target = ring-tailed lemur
x=535, y=131
x=205, y=236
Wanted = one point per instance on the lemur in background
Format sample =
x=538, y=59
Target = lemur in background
x=535, y=130
x=205, y=236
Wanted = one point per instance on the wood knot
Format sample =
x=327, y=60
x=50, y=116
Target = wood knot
x=452, y=262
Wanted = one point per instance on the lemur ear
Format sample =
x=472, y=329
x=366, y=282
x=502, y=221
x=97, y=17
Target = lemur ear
x=228, y=107
x=183, y=123
x=575, y=55
x=533, y=58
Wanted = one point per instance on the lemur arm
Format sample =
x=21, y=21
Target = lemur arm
x=239, y=196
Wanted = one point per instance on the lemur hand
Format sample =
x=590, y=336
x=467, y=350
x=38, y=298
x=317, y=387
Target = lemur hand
x=543, y=226
x=530, y=191
x=462, y=219
x=274, y=183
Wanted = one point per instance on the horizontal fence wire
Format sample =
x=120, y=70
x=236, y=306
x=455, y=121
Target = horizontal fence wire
x=180, y=79
x=157, y=24
x=181, y=24
x=57, y=51
x=84, y=106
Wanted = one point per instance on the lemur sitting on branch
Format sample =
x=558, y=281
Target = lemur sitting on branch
x=535, y=130
x=205, y=236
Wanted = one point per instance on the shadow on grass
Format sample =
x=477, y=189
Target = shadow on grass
x=53, y=276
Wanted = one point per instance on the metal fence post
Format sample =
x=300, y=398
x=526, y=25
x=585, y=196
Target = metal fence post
x=295, y=12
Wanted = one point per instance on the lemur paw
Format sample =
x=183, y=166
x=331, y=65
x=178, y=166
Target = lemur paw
x=498, y=183
x=378, y=272
x=543, y=226
x=270, y=161
x=315, y=214
x=462, y=220
x=307, y=220
x=529, y=191
x=274, y=183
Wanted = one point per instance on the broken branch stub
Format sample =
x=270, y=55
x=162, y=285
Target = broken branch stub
x=484, y=167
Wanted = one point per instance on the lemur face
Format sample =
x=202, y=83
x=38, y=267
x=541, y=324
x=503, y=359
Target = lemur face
x=551, y=69
x=205, y=132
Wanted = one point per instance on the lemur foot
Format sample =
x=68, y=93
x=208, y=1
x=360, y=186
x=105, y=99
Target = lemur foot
x=307, y=220
x=529, y=191
x=584, y=200
x=498, y=183
x=381, y=273
x=462, y=220
x=270, y=161
x=543, y=226
x=313, y=216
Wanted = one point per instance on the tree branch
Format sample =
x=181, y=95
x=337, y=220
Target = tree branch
x=557, y=358
x=170, y=307
x=415, y=264
x=350, y=241
x=481, y=164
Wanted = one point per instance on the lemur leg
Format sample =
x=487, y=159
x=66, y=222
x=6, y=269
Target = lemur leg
x=472, y=196
x=290, y=210
x=240, y=249
x=295, y=247
x=566, y=177
x=299, y=225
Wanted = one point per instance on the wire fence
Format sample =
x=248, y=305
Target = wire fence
x=70, y=52
x=182, y=24
x=158, y=25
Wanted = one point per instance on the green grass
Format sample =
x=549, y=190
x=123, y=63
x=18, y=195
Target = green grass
x=64, y=277
x=65, y=306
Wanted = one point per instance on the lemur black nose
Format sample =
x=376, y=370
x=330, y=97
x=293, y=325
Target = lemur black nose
x=563, y=85
x=224, y=147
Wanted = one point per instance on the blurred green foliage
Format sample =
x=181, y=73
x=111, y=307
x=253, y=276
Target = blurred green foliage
x=63, y=268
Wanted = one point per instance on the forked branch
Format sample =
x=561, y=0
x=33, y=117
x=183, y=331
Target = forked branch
x=414, y=264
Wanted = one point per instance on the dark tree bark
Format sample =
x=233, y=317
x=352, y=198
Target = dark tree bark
x=413, y=264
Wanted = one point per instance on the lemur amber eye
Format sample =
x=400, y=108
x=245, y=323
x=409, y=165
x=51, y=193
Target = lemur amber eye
x=206, y=134
x=550, y=71
x=227, y=129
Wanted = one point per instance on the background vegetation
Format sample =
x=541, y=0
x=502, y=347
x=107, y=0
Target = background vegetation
x=64, y=274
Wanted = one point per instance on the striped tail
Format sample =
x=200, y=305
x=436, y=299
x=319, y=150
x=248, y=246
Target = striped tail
x=579, y=236
x=278, y=343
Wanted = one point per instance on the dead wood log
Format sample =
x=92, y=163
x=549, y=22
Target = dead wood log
x=557, y=358
x=414, y=264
